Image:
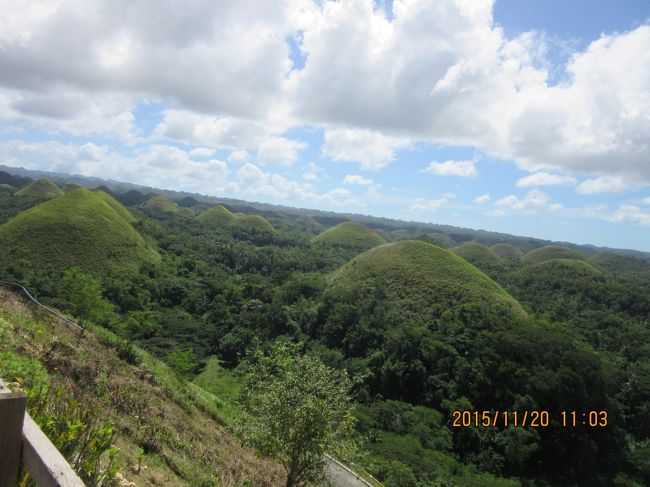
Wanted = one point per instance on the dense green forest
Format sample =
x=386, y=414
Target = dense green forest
x=424, y=330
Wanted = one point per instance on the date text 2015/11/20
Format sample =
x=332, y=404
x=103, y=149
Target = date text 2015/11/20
x=533, y=419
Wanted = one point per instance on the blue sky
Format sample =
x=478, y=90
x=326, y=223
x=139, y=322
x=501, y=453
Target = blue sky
x=531, y=118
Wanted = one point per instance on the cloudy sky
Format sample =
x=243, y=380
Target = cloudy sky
x=528, y=117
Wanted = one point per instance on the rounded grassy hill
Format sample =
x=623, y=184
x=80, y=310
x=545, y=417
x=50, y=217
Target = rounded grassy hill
x=252, y=222
x=476, y=253
x=351, y=234
x=44, y=188
x=219, y=215
x=551, y=252
x=419, y=279
x=565, y=267
x=79, y=229
x=507, y=251
x=159, y=204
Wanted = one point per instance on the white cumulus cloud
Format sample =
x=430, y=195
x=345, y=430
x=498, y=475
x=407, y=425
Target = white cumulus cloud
x=356, y=179
x=279, y=151
x=465, y=169
x=533, y=201
x=484, y=198
x=545, y=179
x=603, y=184
x=370, y=149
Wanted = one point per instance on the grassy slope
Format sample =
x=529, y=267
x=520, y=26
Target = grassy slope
x=219, y=215
x=476, y=253
x=160, y=204
x=551, y=252
x=417, y=277
x=41, y=187
x=78, y=229
x=116, y=205
x=506, y=251
x=254, y=222
x=569, y=267
x=176, y=422
x=350, y=233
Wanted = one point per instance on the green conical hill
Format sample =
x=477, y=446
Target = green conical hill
x=566, y=267
x=350, y=233
x=476, y=253
x=75, y=230
x=417, y=278
x=219, y=215
x=506, y=251
x=116, y=205
x=159, y=204
x=551, y=252
x=252, y=222
x=41, y=187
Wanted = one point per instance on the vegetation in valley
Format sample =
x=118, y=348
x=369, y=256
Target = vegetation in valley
x=424, y=331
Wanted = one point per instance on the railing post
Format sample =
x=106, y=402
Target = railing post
x=12, y=414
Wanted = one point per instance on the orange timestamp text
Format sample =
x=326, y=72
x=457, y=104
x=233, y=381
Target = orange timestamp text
x=532, y=419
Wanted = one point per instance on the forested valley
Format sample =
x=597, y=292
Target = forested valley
x=425, y=323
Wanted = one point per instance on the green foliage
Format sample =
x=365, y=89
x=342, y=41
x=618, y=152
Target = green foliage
x=299, y=408
x=183, y=362
x=83, y=294
x=551, y=252
x=75, y=230
x=622, y=264
x=41, y=187
x=350, y=234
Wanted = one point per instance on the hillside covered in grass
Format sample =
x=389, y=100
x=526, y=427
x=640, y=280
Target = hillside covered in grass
x=476, y=253
x=44, y=188
x=78, y=229
x=351, y=234
x=416, y=278
x=220, y=215
x=164, y=430
x=506, y=251
x=551, y=252
x=159, y=205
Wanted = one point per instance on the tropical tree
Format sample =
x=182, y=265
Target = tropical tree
x=296, y=409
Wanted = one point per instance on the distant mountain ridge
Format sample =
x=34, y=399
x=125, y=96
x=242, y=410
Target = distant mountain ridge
x=327, y=218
